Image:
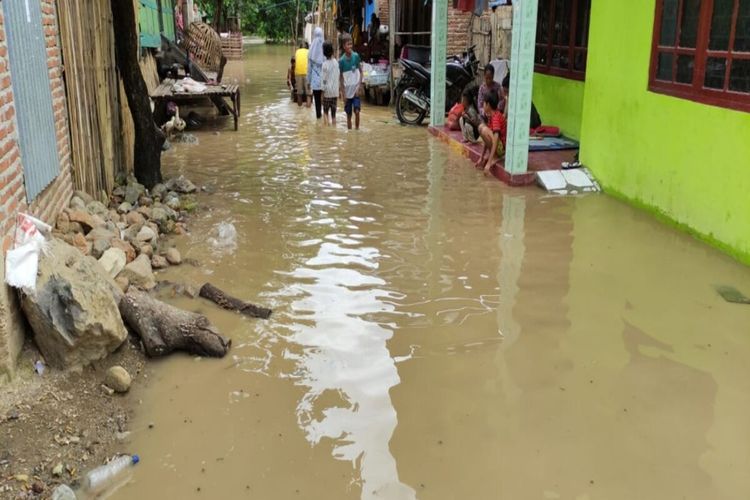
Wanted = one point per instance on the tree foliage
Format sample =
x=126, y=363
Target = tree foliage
x=273, y=19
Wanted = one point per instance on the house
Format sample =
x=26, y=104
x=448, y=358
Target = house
x=35, y=151
x=64, y=122
x=658, y=92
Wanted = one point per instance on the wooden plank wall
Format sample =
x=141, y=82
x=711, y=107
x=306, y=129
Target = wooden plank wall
x=92, y=86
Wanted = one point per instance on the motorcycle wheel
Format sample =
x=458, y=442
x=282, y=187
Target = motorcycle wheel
x=407, y=111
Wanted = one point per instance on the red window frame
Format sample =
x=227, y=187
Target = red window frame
x=696, y=90
x=571, y=48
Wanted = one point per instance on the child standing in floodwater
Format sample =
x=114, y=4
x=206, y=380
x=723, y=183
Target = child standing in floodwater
x=331, y=76
x=350, y=66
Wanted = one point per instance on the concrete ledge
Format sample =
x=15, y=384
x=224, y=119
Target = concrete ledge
x=538, y=160
x=12, y=329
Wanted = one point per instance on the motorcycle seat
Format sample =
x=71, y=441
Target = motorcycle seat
x=416, y=67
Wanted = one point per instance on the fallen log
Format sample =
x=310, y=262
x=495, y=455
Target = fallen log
x=164, y=328
x=210, y=292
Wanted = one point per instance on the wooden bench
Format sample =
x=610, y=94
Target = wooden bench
x=216, y=93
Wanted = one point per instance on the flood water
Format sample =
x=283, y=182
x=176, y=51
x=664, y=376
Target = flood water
x=436, y=334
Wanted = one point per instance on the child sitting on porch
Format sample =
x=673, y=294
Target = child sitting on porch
x=535, y=121
x=454, y=115
x=492, y=133
x=469, y=120
x=488, y=85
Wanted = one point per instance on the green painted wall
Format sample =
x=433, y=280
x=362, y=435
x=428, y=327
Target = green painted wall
x=559, y=102
x=687, y=161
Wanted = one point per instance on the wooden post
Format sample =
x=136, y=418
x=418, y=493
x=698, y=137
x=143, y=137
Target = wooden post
x=392, y=6
x=521, y=85
x=438, y=58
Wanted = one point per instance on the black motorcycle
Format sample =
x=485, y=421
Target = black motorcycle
x=413, y=91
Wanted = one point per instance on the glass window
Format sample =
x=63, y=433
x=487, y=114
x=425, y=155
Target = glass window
x=701, y=51
x=562, y=37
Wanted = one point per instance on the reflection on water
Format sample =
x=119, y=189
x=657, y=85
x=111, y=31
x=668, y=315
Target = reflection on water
x=435, y=334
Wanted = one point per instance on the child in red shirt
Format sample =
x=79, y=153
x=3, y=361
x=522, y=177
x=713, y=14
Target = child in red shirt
x=493, y=133
x=451, y=123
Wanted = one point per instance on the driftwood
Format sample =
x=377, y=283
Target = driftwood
x=164, y=328
x=210, y=292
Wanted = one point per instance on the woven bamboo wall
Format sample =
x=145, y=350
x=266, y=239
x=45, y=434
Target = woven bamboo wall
x=91, y=81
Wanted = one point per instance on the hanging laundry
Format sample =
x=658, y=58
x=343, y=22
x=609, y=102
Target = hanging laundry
x=466, y=5
x=479, y=7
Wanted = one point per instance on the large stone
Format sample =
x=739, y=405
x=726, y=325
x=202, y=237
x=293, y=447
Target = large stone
x=124, y=207
x=84, y=196
x=100, y=233
x=63, y=222
x=113, y=261
x=125, y=247
x=135, y=218
x=77, y=203
x=180, y=184
x=172, y=200
x=130, y=234
x=159, y=215
x=133, y=191
x=158, y=191
x=99, y=221
x=173, y=256
x=11, y=329
x=139, y=273
x=79, y=242
x=97, y=208
x=118, y=379
x=145, y=211
x=123, y=283
x=146, y=250
x=100, y=246
x=82, y=217
x=119, y=191
x=146, y=233
x=159, y=262
x=74, y=313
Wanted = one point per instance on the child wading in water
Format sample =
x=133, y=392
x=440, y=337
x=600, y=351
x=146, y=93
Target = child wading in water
x=291, y=82
x=492, y=133
x=331, y=76
x=350, y=66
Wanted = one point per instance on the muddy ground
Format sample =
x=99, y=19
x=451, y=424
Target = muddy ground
x=63, y=418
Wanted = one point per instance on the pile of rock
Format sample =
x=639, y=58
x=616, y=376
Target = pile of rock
x=95, y=270
x=127, y=237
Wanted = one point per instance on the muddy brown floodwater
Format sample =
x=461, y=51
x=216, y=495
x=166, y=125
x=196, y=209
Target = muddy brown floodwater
x=436, y=334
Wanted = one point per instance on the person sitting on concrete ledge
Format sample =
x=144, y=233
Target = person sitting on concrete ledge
x=535, y=121
x=493, y=133
x=469, y=121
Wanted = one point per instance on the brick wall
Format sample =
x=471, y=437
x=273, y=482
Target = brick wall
x=458, y=25
x=12, y=192
x=458, y=30
x=383, y=12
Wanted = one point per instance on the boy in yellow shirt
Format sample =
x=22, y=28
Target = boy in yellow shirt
x=300, y=75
